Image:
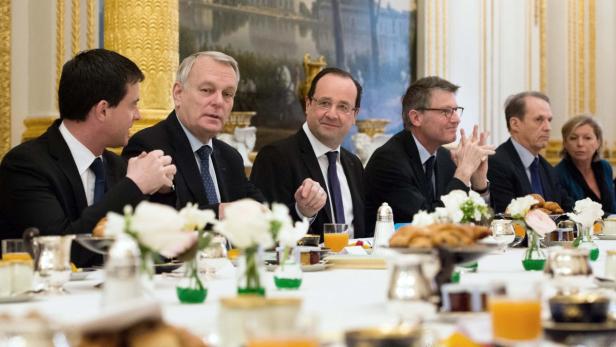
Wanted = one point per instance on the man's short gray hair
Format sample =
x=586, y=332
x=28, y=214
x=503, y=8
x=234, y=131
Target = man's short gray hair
x=220, y=57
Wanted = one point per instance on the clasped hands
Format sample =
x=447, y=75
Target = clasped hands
x=471, y=158
x=152, y=172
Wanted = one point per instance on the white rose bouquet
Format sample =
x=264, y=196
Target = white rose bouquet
x=586, y=212
x=460, y=207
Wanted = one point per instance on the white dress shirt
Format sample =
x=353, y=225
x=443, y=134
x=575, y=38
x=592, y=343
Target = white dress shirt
x=83, y=159
x=195, y=145
x=320, y=151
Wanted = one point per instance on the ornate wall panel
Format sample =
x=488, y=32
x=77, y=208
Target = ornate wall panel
x=5, y=76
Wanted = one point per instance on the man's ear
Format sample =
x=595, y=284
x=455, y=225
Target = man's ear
x=514, y=123
x=177, y=92
x=415, y=118
x=100, y=110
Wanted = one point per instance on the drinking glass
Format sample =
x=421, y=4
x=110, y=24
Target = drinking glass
x=336, y=236
x=503, y=233
x=516, y=316
x=213, y=258
x=15, y=249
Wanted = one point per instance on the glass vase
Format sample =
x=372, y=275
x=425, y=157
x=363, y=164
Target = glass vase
x=584, y=240
x=250, y=272
x=534, y=258
x=288, y=274
x=147, y=272
x=190, y=289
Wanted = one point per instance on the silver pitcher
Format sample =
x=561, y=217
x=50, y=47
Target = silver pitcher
x=408, y=281
x=53, y=261
x=567, y=267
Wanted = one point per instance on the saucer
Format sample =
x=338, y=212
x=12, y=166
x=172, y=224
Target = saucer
x=606, y=236
x=16, y=298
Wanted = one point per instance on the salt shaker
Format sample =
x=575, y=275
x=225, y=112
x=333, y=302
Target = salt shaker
x=122, y=280
x=384, y=228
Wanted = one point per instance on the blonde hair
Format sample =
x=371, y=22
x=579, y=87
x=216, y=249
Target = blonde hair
x=577, y=122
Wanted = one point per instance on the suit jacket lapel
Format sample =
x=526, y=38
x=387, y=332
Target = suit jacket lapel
x=312, y=165
x=220, y=166
x=60, y=151
x=416, y=166
x=519, y=168
x=185, y=158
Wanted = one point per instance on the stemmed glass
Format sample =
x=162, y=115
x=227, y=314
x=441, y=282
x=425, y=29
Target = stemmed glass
x=502, y=233
x=214, y=257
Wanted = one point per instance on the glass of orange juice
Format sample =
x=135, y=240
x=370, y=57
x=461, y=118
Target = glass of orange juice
x=15, y=249
x=336, y=236
x=297, y=332
x=516, y=317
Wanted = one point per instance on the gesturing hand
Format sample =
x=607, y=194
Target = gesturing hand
x=310, y=198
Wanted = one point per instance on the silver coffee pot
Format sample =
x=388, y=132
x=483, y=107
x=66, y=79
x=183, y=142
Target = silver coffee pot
x=52, y=262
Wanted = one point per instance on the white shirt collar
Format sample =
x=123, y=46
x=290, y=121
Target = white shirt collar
x=423, y=152
x=82, y=156
x=195, y=143
x=525, y=155
x=317, y=146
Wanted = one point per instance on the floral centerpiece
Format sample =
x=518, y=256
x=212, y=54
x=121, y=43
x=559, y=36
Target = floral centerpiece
x=288, y=275
x=462, y=207
x=585, y=213
x=537, y=224
x=251, y=227
x=161, y=230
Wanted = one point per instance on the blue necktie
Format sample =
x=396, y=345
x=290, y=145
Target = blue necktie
x=99, y=183
x=429, y=164
x=535, y=178
x=335, y=195
x=210, y=190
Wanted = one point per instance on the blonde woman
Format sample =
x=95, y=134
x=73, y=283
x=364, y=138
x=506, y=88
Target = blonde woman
x=582, y=171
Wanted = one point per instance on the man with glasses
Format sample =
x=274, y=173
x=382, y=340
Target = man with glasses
x=412, y=170
x=517, y=168
x=314, y=153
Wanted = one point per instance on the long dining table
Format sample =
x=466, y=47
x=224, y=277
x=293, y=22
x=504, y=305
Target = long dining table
x=341, y=299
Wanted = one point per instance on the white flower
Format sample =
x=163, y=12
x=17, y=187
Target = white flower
x=454, y=199
x=196, y=219
x=586, y=212
x=115, y=224
x=476, y=199
x=519, y=207
x=422, y=219
x=159, y=227
x=246, y=224
x=288, y=236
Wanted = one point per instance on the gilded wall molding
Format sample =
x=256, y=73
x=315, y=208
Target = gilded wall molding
x=543, y=56
x=147, y=31
x=5, y=76
x=445, y=22
x=571, y=58
x=59, y=42
x=581, y=59
x=75, y=26
x=429, y=45
x=91, y=20
x=592, y=67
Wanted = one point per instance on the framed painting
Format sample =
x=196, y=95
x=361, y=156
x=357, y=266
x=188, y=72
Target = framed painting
x=375, y=40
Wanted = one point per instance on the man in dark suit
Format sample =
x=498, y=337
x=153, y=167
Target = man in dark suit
x=314, y=152
x=65, y=181
x=412, y=170
x=210, y=172
x=517, y=168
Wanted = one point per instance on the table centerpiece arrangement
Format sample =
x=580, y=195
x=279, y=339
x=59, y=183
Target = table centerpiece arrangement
x=585, y=213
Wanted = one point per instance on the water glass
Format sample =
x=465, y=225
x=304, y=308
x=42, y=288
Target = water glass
x=15, y=249
x=502, y=232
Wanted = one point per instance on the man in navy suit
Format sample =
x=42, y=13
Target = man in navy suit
x=209, y=171
x=413, y=170
x=517, y=168
x=314, y=155
x=65, y=181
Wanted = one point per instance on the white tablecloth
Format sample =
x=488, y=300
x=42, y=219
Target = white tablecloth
x=341, y=298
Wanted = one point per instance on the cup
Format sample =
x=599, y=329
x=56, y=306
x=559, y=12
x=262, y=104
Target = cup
x=336, y=236
x=15, y=249
x=609, y=226
x=516, y=316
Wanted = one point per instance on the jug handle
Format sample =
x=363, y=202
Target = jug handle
x=28, y=236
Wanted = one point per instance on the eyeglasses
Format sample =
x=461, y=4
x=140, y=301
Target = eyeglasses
x=446, y=112
x=341, y=107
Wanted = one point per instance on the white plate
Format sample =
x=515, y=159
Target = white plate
x=305, y=268
x=16, y=298
x=81, y=275
x=605, y=236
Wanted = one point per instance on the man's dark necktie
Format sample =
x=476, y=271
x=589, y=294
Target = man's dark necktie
x=335, y=195
x=204, y=158
x=535, y=177
x=429, y=165
x=99, y=183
